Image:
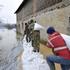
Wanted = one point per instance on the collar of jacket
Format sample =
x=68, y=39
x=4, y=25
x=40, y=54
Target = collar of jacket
x=54, y=34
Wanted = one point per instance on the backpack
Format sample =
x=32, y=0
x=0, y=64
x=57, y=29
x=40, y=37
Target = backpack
x=66, y=39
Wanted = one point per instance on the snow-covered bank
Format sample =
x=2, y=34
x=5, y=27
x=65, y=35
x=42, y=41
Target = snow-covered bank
x=32, y=60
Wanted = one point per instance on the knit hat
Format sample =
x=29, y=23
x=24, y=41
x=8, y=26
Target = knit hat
x=50, y=30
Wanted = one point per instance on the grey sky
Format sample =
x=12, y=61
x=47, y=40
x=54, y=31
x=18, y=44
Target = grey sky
x=7, y=9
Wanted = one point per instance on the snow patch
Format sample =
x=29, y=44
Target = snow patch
x=32, y=60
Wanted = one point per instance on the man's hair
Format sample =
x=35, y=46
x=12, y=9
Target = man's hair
x=51, y=30
x=25, y=23
x=31, y=21
x=35, y=21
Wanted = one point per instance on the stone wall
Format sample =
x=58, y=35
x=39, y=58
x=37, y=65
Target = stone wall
x=21, y=16
x=58, y=18
x=66, y=2
x=39, y=4
x=26, y=11
x=42, y=4
x=56, y=15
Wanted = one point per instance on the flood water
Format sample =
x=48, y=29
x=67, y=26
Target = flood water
x=7, y=41
x=8, y=49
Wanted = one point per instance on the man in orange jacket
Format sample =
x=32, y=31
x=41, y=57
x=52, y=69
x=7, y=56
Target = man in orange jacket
x=61, y=52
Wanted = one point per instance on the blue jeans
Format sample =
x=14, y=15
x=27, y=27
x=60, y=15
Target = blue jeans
x=65, y=64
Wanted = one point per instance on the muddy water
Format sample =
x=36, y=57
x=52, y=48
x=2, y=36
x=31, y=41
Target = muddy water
x=9, y=50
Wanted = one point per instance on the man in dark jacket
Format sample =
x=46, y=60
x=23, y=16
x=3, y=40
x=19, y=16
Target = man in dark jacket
x=35, y=36
x=26, y=32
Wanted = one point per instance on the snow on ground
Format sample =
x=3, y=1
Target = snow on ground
x=32, y=60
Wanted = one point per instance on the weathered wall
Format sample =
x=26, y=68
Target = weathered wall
x=42, y=4
x=66, y=2
x=26, y=11
x=59, y=18
x=29, y=7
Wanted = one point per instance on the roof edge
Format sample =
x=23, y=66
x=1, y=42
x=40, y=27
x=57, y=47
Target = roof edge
x=21, y=5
